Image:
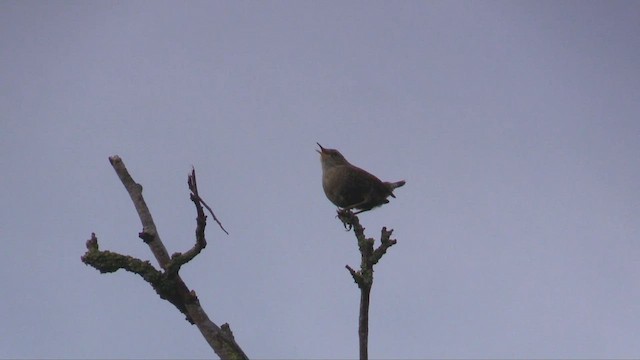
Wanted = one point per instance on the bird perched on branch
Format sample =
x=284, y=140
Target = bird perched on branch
x=349, y=187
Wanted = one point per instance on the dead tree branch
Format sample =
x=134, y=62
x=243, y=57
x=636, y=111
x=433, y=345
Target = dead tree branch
x=364, y=277
x=166, y=282
x=195, y=197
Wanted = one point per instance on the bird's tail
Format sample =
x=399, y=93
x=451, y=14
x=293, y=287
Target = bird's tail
x=394, y=185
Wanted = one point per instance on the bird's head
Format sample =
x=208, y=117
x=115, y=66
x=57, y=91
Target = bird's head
x=331, y=157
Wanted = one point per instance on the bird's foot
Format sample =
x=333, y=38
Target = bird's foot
x=346, y=216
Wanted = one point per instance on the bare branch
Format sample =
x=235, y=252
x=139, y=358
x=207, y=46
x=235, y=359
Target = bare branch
x=364, y=277
x=149, y=232
x=386, y=242
x=108, y=262
x=356, y=275
x=167, y=283
x=178, y=259
x=193, y=186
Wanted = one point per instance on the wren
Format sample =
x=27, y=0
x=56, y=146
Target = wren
x=349, y=187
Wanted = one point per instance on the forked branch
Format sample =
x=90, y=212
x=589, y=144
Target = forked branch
x=166, y=281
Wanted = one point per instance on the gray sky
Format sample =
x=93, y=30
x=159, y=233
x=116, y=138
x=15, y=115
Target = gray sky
x=515, y=124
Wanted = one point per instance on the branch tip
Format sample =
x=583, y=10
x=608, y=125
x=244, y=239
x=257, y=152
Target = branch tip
x=92, y=243
x=197, y=200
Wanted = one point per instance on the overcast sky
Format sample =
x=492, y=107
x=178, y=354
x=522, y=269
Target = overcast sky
x=515, y=124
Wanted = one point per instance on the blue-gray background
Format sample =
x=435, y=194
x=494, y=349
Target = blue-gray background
x=515, y=124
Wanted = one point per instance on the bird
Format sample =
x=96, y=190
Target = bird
x=350, y=187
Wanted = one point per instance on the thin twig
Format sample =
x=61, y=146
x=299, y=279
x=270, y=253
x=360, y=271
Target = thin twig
x=214, y=216
x=193, y=185
x=178, y=259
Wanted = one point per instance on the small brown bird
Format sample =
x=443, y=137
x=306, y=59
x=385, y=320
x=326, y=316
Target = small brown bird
x=349, y=187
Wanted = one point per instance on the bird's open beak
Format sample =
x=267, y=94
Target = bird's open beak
x=321, y=149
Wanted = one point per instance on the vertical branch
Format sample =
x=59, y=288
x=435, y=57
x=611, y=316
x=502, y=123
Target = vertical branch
x=149, y=232
x=364, y=277
x=363, y=322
